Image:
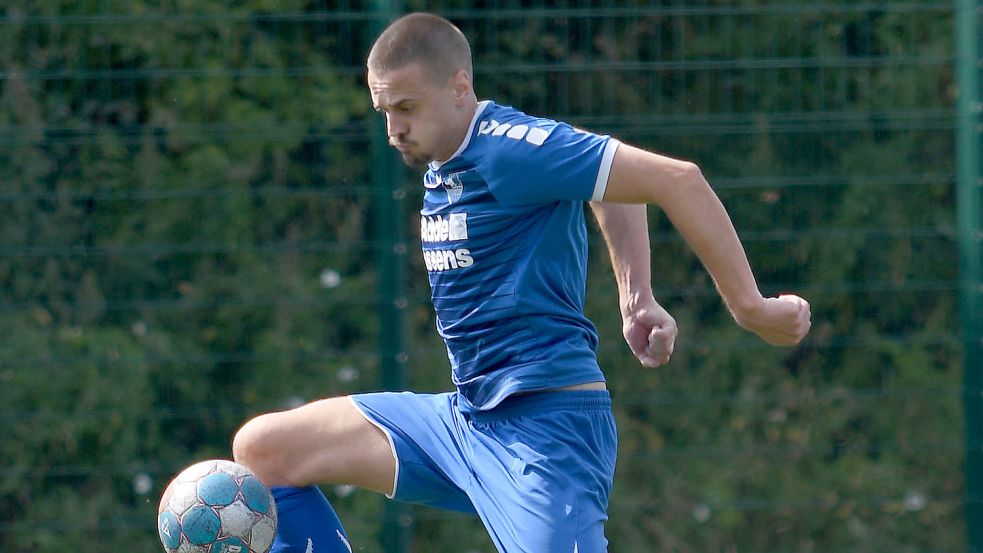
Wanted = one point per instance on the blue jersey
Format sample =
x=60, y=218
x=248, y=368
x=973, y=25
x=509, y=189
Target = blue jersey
x=505, y=245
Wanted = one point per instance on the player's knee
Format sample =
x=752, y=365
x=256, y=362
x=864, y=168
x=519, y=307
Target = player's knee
x=256, y=446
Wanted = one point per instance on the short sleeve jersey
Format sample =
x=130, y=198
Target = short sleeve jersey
x=505, y=245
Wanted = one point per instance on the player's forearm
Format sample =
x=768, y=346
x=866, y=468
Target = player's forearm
x=625, y=230
x=679, y=188
x=696, y=211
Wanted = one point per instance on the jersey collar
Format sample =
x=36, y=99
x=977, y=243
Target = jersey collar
x=436, y=165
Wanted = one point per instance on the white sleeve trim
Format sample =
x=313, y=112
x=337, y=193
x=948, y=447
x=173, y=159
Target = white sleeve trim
x=389, y=437
x=604, y=171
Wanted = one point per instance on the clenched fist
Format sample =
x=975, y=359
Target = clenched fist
x=781, y=321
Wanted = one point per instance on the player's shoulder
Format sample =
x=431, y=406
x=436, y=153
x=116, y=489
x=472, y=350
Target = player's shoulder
x=506, y=128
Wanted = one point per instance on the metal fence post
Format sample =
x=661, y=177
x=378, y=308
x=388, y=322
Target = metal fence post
x=969, y=184
x=389, y=197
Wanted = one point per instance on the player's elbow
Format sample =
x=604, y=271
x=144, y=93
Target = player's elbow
x=688, y=183
x=691, y=176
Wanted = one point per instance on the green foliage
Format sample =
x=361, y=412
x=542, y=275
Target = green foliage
x=187, y=241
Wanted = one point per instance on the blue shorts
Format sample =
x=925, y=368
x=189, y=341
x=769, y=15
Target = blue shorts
x=537, y=468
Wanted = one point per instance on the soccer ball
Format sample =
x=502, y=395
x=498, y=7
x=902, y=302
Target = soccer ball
x=216, y=506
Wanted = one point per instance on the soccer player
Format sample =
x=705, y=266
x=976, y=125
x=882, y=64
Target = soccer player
x=527, y=439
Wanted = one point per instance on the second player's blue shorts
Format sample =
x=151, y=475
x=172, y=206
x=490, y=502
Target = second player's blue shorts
x=537, y=469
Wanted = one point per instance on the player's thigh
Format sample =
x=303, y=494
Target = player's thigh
x=326, y=441
x=544, y=473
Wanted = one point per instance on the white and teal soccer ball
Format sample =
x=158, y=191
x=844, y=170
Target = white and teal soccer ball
x=216, y=506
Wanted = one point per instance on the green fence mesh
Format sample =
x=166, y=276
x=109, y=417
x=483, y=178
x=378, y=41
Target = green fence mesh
x=194, y=230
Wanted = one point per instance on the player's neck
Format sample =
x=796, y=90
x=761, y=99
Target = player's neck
x=462, y=128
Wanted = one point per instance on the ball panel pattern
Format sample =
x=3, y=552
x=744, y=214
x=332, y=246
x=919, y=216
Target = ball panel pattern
x=188, y=547
x=256, y=495
x=183, y=497
x=237, y=519
x=218, y=488
x=196, y=471
x=169, y=530
x=263, y=533
x=201, y=525
x=235, y=469
x=216, y=506
x=230, y=545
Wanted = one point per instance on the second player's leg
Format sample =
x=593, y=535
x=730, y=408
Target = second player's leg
x=327, y=441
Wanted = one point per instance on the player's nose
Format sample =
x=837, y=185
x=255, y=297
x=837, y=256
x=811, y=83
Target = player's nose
x=395, y=127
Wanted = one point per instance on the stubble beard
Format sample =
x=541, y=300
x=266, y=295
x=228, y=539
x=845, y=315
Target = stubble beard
x=415, y=161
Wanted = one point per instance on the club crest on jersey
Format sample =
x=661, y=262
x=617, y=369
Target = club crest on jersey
x=454, y=187
x=452, y=184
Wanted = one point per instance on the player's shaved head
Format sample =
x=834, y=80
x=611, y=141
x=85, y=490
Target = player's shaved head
x=423, y=38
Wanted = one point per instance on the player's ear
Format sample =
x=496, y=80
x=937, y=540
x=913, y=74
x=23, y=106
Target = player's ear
x=461, y=83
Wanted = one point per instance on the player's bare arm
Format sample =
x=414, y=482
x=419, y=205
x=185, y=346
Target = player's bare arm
x=648, y=328
x=680, y=190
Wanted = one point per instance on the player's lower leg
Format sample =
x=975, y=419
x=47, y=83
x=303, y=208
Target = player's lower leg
x=307, y=523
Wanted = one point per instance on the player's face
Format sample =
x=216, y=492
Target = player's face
x=423, y=118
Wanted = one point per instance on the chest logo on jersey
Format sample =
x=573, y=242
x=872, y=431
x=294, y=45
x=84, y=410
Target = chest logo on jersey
x=438, y=228
x=450, y=228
